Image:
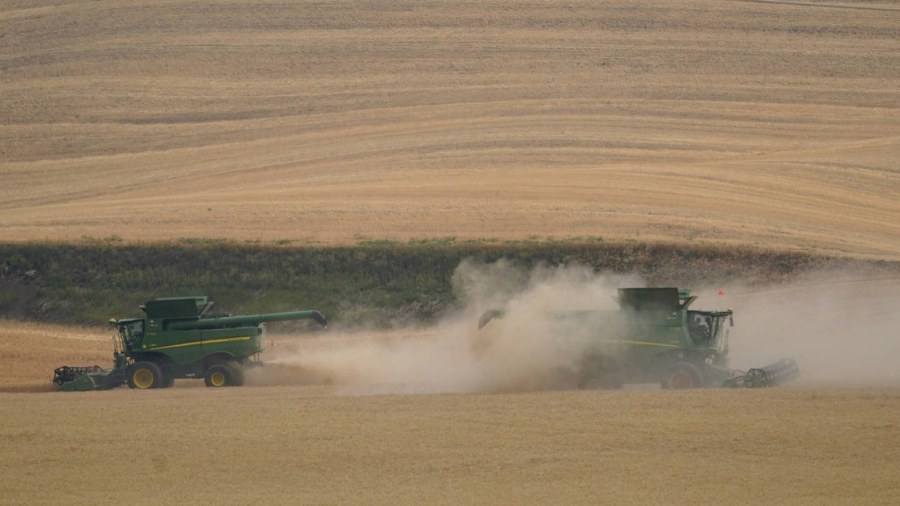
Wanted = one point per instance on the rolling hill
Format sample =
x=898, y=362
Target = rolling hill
x=756, y=123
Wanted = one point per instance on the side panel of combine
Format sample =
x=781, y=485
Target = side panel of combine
x=181, y=347
x=650, y=335
x=237, y=342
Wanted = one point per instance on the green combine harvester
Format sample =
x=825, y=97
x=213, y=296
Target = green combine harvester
x=178, y=339
x=654, y=336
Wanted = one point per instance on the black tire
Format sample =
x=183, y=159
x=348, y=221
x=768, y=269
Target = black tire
x=220, y=375
x=168, y=380
x=238, y=370
x=145, y=375
x=681, y=376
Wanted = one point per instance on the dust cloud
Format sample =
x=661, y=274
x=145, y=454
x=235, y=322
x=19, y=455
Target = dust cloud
x=841, y=329
x=528, y=350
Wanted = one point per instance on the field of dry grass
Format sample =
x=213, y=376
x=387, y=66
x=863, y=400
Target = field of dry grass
x=767, y=123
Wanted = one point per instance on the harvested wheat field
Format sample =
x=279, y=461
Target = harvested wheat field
x=741, y=123
x=763, y=123
x=302, y=445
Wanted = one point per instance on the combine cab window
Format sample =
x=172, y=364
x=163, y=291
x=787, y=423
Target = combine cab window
x=700, y=327
x=133, y=331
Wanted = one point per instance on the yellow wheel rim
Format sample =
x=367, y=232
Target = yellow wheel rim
x=681, y=379
x=217, y=379
x=143, y=378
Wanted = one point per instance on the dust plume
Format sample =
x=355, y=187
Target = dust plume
x=526, y=352
x=843, y=329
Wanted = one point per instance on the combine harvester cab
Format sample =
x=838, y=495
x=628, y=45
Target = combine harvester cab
x=663, y=339
x=685, y=347
x=655, y=336
x=177, y=339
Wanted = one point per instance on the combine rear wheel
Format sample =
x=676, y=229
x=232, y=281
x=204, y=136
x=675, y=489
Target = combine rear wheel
x=682, y=376
x=222, y=375
x=144, y=375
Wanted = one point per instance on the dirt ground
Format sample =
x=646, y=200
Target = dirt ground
x=762, y=123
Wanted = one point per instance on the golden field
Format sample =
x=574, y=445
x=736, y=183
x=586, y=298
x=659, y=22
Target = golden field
x=770, y=124
x=775, y=124
x=305, y=445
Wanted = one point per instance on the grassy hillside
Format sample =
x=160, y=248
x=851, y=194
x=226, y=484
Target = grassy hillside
x=769, y=124
x=383, y=283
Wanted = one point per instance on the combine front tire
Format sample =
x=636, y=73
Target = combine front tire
x=681, y=376
x=144, y=375
x=222, y=375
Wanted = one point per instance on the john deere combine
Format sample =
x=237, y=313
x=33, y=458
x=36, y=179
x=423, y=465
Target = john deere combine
x=177, y=338
x=654, y=336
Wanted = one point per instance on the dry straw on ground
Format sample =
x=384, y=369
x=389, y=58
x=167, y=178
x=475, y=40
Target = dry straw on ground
x=774, y=124
x=302, y=445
